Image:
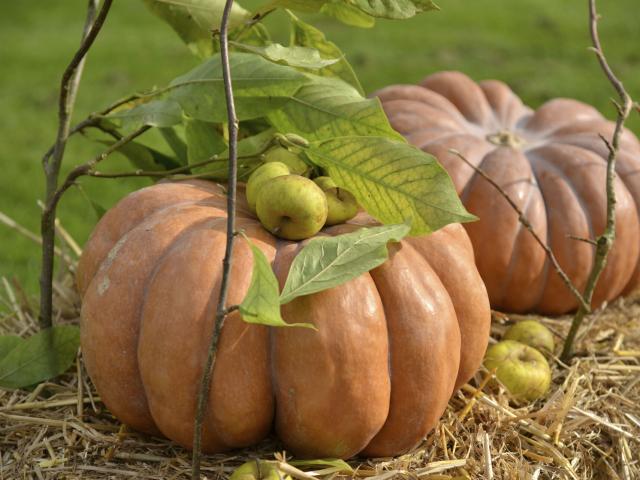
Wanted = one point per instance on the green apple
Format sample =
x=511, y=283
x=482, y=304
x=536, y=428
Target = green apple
x=258, y=469
x=292, y=207
x=325, y=183
x=522, y=369
x=341, y=203
x=532, y=333
x=260, y=176
x=290, y=159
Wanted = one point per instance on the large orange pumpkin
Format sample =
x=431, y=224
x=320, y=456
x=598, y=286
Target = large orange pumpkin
x=391, y=346
x=551, y=162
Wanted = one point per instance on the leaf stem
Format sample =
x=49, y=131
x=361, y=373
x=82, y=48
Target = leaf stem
x=221, y=311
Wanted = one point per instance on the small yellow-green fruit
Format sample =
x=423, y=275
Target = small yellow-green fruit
x=341, y=203
x=292, y=160
x=258, y=469
x=532, y=333
x=291, y=207
x=260, y=176
x=522, y=369
x=325, y=183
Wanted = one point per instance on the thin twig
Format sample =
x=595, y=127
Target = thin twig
x=604, y=241
x=221, y=311
x=527, y=224
x=51, y=164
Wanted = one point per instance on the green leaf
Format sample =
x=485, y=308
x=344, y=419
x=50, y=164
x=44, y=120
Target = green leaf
x=348, y=14
x=261, y=304
x=193, y=20
x=259, y=86
x=393, y=181
x=395, y=9
x=305, y=35
x=8, y=343
x=98, y=209
x=326, y=262
x=203, y=141
x=40, y=357
x=162, y=113
x=302, y=57
x=145, y=158
x=329, y=107
x=307, y=6
x=177, y=145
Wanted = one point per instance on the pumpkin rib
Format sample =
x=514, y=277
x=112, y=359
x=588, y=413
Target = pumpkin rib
x=339, y=416
x=564, y=251
x=122, y=218
x=419, y=94
x=462, y=92
x=462, y=282
x=494, y=259
x=607, y=289
x=559, y=112
x=117, y=292
x=512, y=295
x=169, y=353
x=419, y=351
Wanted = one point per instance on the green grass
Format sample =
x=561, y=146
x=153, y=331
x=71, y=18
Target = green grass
x=537, y=46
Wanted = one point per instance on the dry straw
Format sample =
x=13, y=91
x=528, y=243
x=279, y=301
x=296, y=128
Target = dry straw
x=587, y=427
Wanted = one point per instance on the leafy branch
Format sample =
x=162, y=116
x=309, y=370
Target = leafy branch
x=221, y=311
x=52, y=162
x=605, y=241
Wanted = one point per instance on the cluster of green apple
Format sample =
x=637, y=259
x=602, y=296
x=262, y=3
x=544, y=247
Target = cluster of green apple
x=291, y=205
x=519, y=362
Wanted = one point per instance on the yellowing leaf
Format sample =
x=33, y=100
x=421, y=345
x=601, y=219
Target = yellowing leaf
x=393, y=181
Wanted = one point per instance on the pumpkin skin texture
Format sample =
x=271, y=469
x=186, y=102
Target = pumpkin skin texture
x=551, y=162
x=391, y=347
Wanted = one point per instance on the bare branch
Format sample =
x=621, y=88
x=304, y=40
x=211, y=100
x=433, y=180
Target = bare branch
x=221, y=311
x=604, y=241
x=525, y=222
x=52, y=162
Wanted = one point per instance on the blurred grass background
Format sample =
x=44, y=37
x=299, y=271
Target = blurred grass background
x=539, y=47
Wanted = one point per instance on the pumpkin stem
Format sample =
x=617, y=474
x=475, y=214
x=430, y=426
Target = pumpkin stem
x=506, y=138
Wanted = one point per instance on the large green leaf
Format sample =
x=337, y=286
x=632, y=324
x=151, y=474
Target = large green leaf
x=203, y=141
x=40, y=357
x=396, y=9
x=326, y=262
x=175, y=143
x=259, y=86
x=329, y=107
x=8, y=343
x=261, y=304
x=193, y=20
x=348, y=14
x=393, y=181
x=306, y=35
x=145, y=158
x=161, y=113
x=295, y=56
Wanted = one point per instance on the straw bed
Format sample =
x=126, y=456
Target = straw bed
x=588, y=426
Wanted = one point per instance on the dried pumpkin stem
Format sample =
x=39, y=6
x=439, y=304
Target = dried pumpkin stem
x=52, y=160
x=605, y=241
x=221, y=311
